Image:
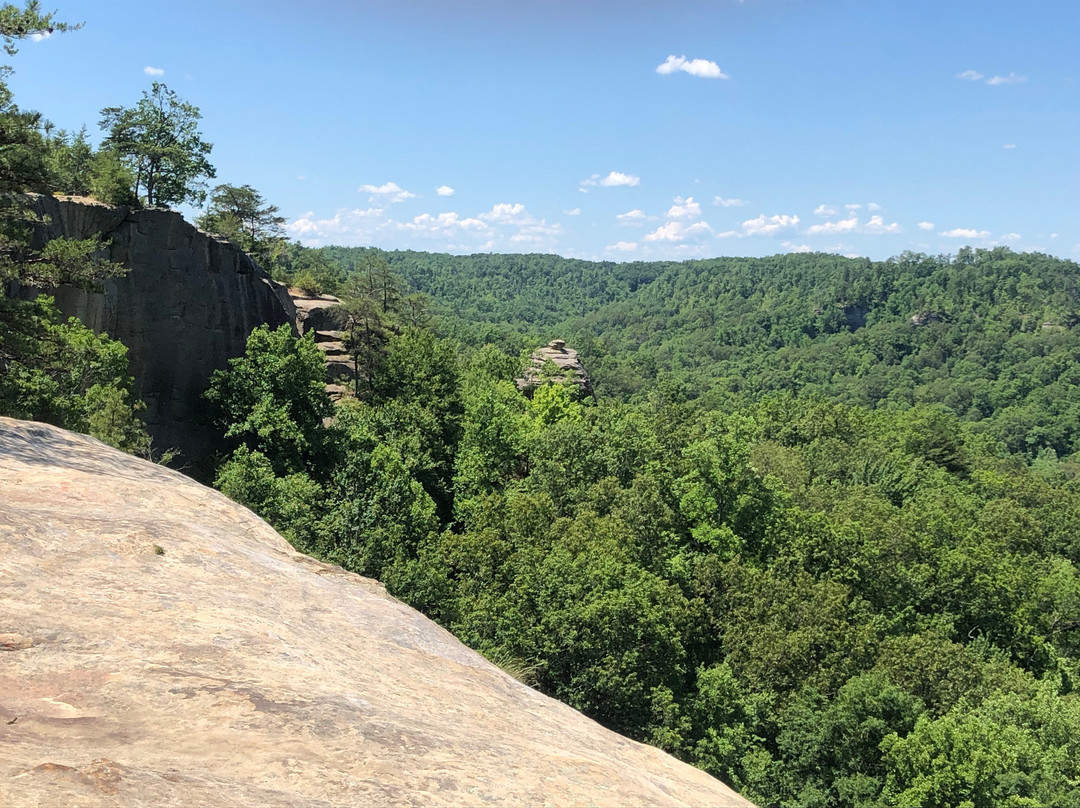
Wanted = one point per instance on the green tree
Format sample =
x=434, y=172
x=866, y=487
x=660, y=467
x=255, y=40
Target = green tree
x=241, y=214
x=365, y=338
x=18, y=23
x=273, y=398
x=377, y=281
x=291, y=504
x=160, y=141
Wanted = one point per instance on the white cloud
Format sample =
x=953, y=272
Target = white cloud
x=825, y=210
x=852, y=206
x=1012, y=78
x=536, y=232
x=427, y=223
x=1053, y=235
x=993, y=81
x=631, y=216
x=728, y=203
x=613, y=180
x=684, y=209
x=39, y=37
x=1009, y=146
x=797, y=248
x=877, y=225
x=729, y=234
x=847, y=225
x=769, y=226
x=530, y=230
x=702, y=68
x=572, y=212
x=622, y=246
x=1011, y=237
x=677, y=231
x=388, y=192
x=301, y=177
x=926, y=225
x=344, y=226
x=965, y=232
x=873, y=206
x=505, y=225
x=507, y=213
x=444, y=190
x=153, y=71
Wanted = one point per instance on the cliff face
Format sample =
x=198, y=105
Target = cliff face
x=185, y=308
x=160, y=645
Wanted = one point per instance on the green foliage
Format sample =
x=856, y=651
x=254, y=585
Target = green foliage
x=18, y=23
x=64, y=374
x=290, y=503
x=992, y=335
x=273, y=399
x=1017, y=749
x=159, y=141
x=68, y=158
x=242, y=215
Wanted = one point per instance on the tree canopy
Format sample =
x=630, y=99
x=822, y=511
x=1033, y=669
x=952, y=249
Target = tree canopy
x=242, y=215
x=821, y=602
x=160, y=142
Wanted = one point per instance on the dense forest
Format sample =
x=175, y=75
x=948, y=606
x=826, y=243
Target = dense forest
x=990, y=334
x=818, y=534
x=854, y=588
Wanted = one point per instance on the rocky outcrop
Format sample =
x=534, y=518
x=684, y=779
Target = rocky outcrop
x=316, y=313
x=185, y=308
x=160, y=645
x=319, y=316
x=555, y=363
x=928, y=317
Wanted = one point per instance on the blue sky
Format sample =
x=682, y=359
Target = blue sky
x=611, y=130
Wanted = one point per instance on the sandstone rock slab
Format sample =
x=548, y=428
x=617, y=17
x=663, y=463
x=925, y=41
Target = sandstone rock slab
x=165, y=647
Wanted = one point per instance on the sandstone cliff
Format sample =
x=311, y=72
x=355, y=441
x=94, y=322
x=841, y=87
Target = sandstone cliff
x=162, y=646
x=184, y=309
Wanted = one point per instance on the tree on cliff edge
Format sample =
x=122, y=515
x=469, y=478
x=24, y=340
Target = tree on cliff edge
x=160, y=141
x=244, y=217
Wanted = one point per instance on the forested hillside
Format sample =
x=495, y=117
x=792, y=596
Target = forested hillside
x=990, y=334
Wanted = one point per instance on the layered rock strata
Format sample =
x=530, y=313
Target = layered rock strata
x=160, y=645
x=555, y=363
x=318, y=316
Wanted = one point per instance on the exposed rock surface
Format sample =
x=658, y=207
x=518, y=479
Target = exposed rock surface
x=162, y=646
x=314, y=313
x=183, y=310
x=318, y=315
x=927, y=317
x=555, y=362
